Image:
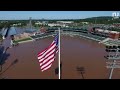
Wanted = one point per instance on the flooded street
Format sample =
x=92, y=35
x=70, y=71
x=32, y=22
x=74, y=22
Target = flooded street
x=75, y=52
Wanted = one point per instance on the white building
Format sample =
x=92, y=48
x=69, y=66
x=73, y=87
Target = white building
x=54, y=24
x=38, y=23
x=85, y=22
x=16, y=24
x=65, y=22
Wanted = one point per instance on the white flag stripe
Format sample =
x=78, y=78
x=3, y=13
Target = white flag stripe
x=46, y=52
x=52, y=52
x=48, y=58
x=47, y=63
x=49, y=46
x=40, y=60
x=47, y=67
x=56, y=50
x=45, y=60
x=42, y=52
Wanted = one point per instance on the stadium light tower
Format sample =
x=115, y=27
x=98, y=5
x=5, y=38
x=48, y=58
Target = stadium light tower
x=113, y=57
x=30, y=23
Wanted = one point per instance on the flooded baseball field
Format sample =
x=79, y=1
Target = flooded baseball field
x=75, y=52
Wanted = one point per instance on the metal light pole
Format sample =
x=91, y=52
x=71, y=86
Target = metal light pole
x=111, y=72
x=114, y=62
x=113, y=57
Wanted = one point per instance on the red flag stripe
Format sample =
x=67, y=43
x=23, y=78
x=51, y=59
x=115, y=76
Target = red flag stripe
x=40, y=57
x=47, y=63
x=47, y=67
x=41, y=60
x=45, y=60
x=51, y=47
x=46, y=48
x=40, y=53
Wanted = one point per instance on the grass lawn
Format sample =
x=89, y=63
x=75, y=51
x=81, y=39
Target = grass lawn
x=25, y=39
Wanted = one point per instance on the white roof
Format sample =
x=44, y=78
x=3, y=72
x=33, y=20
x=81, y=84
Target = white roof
x=114, y=32
x=12, y=31
x=99, y=30
x=4, y=31
x=106, y=31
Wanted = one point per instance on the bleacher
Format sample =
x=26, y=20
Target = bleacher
x=85, y=35
x=112, y=42
x=39, y=36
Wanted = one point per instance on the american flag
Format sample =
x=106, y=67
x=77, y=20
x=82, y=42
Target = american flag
x=47, y=56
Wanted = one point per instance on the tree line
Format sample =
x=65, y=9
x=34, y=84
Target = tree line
x=93, y=20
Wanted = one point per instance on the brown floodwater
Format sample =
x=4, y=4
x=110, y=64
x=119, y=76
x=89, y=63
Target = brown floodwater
x=75, y=52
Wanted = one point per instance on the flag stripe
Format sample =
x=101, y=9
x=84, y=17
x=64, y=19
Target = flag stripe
x=46, y=64
x=52, y=46
x=56, y=49
x=50, y=53
x=46, y=48
x=45, y=60
x=43, y=56
x=42, y=52
x=41, y=60
x=47, y=67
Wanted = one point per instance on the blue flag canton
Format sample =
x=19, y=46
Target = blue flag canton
x=56, y=39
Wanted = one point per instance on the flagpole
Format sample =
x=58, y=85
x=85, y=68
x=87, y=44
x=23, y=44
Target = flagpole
x=59, y=55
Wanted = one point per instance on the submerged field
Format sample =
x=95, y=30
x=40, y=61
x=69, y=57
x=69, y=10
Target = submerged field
x=75, y=52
